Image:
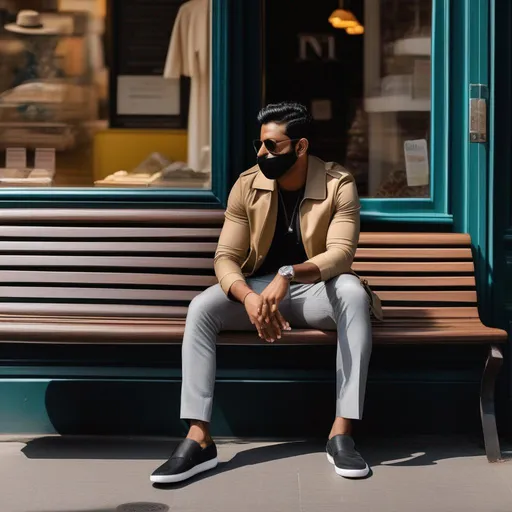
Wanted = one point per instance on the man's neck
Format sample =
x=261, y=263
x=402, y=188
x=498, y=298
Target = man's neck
x=296, y=177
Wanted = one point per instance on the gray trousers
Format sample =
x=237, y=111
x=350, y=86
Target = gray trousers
x=340, y=304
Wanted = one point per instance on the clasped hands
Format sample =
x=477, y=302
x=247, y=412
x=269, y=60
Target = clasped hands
x=263, y=309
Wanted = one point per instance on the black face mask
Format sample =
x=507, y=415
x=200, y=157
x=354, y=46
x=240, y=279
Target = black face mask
x=277, y=166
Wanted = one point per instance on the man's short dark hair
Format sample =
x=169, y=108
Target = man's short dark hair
x=294, y=115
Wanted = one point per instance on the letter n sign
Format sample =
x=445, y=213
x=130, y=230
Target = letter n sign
x=317, y=47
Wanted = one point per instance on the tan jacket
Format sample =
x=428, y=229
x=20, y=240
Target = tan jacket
x=329, y=220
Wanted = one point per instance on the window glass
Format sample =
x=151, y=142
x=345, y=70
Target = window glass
x=105, y=94
x=363, y=68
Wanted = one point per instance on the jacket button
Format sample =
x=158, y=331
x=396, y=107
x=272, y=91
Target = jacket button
x=260, y=258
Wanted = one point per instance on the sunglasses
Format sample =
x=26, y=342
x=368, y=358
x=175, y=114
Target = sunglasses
x=271, y=145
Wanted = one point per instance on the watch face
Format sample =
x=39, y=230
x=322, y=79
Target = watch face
x=287, y=272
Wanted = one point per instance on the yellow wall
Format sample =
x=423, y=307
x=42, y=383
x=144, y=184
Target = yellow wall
x=116, y=150
x=96, y=7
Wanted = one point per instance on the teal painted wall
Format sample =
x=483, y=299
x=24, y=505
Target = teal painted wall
x=261, y=391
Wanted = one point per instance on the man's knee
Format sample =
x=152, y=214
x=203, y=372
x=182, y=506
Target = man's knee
x=349, y=291
x=206, y=304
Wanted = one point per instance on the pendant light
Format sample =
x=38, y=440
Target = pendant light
x=358, y=30
x=342, y=18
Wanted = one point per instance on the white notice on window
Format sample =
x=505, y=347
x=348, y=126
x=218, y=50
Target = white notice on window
x=416, y=162
x=16, y=158
x=45, y=159
x=147, y=96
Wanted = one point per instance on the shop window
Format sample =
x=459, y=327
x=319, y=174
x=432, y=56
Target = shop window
x=105, y=94
x=363, y=67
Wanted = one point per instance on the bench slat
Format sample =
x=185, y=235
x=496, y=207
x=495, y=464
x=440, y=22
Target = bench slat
x=93, y=231
x=420, y=282
x=36, y=277
x=159, y=333
x=42, y=232
x=27, y=292
x=196, y=247
x=101, y=217
x=104, y=261
x=168, y=312
x=430, y=312
x=91, y=310
x=451, y=267
x=427, y=296
x=413, y=254
x=105, y=247
x=78, y=294
x=414, y=239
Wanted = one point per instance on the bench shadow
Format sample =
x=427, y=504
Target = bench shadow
x=416, y=452
x=128, y=507
x=77, y=510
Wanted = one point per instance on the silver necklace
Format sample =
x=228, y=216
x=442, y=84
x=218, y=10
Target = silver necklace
x=288, y=222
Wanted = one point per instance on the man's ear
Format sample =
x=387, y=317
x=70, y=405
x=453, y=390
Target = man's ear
x=302, y=147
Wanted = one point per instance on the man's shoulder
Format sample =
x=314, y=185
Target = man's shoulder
x=334, y=169
x=246, y=178
x=250, y=172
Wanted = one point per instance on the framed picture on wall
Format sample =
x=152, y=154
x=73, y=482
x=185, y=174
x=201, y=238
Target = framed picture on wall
x=138, y=37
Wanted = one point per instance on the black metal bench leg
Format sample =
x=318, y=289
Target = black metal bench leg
x=491, y=371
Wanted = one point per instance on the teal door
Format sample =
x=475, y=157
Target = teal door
x=472, y=131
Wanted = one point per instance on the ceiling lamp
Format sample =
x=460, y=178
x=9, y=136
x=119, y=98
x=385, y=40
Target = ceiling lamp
x=341, y=18
x=355, y=31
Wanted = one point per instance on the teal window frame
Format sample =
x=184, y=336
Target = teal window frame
x=158, y=198
x=436, y=208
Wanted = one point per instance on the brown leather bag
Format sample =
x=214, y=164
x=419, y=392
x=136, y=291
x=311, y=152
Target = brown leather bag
x=373, y=299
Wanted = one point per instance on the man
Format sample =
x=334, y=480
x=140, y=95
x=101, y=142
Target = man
x=284, y=259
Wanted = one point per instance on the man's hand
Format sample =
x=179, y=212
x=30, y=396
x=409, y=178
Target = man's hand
x=254, y=306
x=272, y=296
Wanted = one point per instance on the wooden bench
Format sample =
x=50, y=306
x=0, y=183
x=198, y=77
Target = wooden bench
x=126, y=277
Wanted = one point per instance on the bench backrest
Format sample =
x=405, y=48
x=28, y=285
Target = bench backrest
x=94, y=263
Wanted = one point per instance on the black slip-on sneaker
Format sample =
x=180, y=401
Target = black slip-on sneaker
x=341, y=452
x=187, y=460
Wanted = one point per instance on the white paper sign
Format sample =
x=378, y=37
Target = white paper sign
x=16, y=158
x=147, y=95
x=416, y=162
x=45, y=159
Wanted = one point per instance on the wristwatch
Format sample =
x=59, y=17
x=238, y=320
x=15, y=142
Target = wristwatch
x=287, y=272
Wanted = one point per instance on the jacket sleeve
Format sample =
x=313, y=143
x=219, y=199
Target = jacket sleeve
x=343, y=233
x=234, y=241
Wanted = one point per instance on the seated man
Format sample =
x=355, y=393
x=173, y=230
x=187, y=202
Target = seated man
x=284, y=259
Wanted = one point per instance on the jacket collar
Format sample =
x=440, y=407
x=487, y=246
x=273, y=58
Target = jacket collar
x=315, y=183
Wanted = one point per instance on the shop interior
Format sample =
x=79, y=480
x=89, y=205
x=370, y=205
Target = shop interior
x=67, y=121
x=363, y=69
x=116, y=93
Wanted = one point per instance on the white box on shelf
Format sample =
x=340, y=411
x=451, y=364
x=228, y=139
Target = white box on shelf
x=415, y=46
x=26, y=178
x=16, y=158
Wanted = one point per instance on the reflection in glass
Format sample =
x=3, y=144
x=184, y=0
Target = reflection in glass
x=55, y=95
x=367, y=84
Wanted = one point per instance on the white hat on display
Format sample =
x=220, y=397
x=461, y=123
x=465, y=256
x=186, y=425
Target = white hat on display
x=30, y=23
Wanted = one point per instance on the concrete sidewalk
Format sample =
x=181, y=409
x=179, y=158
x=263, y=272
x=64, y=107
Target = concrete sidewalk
x=55, y=474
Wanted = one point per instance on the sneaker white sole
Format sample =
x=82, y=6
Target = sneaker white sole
x=349, y=473
x=174, y=479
